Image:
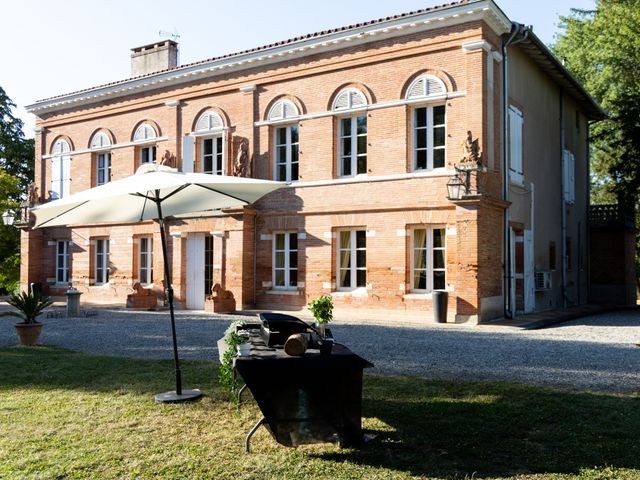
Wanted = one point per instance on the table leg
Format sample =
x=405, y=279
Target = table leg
x=240, y=392
x=250, y=434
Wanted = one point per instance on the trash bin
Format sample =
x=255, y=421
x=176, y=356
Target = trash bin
x=440, y=301
x=35, y=288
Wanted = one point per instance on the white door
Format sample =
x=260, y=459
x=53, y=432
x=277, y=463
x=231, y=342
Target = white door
x=195, y=272
x=529, y=283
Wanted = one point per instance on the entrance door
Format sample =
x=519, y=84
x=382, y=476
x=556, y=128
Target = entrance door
x=195, y=272
x=529, y=267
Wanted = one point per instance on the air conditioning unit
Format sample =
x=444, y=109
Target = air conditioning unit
x=543, y=281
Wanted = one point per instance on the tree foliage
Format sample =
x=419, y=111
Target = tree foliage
x=602, y=49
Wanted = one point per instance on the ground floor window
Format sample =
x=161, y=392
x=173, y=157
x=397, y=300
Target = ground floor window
x=145, y=261
x=285, y=260
x=428, y=259
x=62, y=261
x=352, y=259
x=102, y=261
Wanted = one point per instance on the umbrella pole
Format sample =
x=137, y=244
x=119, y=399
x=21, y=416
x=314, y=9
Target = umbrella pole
x=179, y=395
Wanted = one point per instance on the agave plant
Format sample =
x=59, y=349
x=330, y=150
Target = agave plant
x=29, y=306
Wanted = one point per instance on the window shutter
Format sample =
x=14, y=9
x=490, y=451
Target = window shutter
x=55, y=177
x=417, y=90
x=66, y=176
x=569, y=176
x=342, y=101
x=515, y=145
x=434, y=87
x=187, y=153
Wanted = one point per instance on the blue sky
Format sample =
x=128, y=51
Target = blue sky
x=54, y=47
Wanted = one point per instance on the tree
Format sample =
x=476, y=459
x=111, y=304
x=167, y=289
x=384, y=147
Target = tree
x=16, y=173
x=602, y=49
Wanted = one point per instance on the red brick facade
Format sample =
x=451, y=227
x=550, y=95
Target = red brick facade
x=388, y=201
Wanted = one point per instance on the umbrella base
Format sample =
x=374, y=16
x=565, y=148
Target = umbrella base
x=173, y=397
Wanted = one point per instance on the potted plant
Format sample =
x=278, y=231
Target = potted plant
x=29, y=306
x=322, y=310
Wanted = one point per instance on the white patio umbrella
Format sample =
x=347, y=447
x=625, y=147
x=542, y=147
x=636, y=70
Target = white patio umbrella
x=153, y=193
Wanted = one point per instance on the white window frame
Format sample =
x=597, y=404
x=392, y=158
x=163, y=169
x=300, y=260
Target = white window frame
x=353, y=138
x=214, y=154
x=429, y=127
x=430, y=249
x=63, y=261
x=105, y=169
x=516, y=133
x=145, y=274
x=60, y=169
x=152, y=155
x=288, y=146
x=287, y=268
x=353, y=259
x=101, y=261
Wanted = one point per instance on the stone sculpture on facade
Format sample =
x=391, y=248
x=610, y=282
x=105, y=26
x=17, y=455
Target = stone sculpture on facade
x=241, y=164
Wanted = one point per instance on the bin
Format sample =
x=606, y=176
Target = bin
x=440, y=303
x=35, y=288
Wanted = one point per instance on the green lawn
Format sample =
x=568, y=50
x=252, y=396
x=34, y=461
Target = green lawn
x=72, y=415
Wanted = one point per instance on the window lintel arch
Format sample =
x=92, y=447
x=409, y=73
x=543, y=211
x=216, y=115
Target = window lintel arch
x=145, y=131
x=61, y=145
x=283, y=108
x=349, y=98
x=101, y=139
x=426, y=84
x=209, y=121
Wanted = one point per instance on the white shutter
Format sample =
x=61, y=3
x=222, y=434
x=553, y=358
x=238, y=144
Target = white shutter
x=434, y=86
x=417, y=90
x=515, y=145
x=55, y=177
x=187, y=153
x=66, y=176
x=569, y=176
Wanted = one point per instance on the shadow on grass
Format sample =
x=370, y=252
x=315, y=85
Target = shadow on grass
x=453, y=430
x=55, y=368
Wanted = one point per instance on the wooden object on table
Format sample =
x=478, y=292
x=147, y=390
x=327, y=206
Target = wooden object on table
x=296, y=344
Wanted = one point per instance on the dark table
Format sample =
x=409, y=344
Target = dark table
x=314, y=398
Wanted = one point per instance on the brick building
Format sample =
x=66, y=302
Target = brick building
x=367, y=124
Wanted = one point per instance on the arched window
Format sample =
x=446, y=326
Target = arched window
x=349, y=98
x=429, y=123
x=209, y=121
x=100, y=140
x=426, y=86
x=60, y=169
x=283, y=110
x=352, y=133
x=144, y=133
x=210, y=129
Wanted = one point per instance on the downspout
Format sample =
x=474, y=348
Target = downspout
x=255, y=255
x=563, y=213
x=520, y=30
x=587, y=240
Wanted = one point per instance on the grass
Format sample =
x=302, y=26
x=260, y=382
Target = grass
x=72, y=415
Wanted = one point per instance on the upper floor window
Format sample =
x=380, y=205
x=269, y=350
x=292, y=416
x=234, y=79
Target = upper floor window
x=212, y=152
x=349, y=99
x=426, y=86
x=148, y=154
x=283, y=110
x=516, y=123
x=429, y=133
x=60, y=169
x=145, y=133
x=352, y=259
x=101, y=141
x=353, y=145
x=286, y=153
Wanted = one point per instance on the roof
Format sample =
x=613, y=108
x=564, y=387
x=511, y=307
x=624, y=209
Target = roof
x=454, y=12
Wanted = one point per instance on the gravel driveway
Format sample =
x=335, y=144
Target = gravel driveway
x=599, y=352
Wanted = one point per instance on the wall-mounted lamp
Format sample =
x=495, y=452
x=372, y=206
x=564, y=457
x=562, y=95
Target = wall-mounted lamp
x=455, y=187
x=8, y=218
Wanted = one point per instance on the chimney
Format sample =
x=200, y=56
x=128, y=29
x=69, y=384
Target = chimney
x=154, y=57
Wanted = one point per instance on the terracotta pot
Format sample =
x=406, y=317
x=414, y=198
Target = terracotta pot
x=29, y=333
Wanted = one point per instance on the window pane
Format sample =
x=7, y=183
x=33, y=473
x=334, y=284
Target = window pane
x=346, y=166
x=282, y=172
x=438, y=115
x=421, y=117
x=281, y=136
x=421, y=159
x=293, y=259
x=293, y=241
x=438, y=237
x=361, y=239
x=419, y=259
x=294, y=172
x=420, y=279
x=361, y=276
x=153, y=154
x=362, y=124
x=207, y=164
x=293, y=278
x=421, y=138
x=345, y=278
x=346, y=147
x=281, y=154
x=280, y=278
x=294, y=133
x=438, y=158
x=279, y=241
x=279, y=260
x=362, y=164
x=346, y=127
x=362, y=145
x=361, y=256
x=208, y=146
x=345, y=259
x=294, y=153
x=438, y=137
x=439, y=280
x=438, y=259
x=345, y=239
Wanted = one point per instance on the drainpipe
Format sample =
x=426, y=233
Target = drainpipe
x=255, y=255
x=518, y=34
x=563, y=213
